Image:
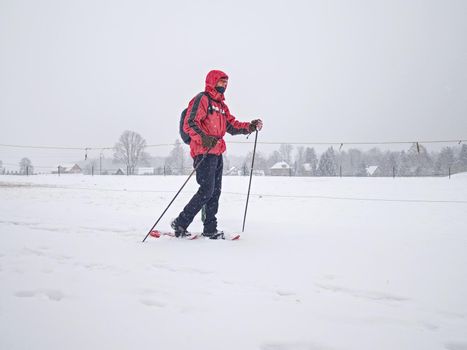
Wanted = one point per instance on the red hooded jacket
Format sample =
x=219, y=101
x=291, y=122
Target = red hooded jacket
x=216, y=123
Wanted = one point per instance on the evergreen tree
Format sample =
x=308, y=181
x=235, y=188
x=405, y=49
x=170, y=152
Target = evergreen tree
x=176, y=159
x=419, y=160
x=311, y=159
x=327, y=164
x=404, y=165
x=355, y=159
x=461, y=162
x=373, y=156
x=445, y=161
x=362, y=170
x=388, y=164
x=344, y=163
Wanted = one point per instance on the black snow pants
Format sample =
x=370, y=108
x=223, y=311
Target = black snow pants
x=209, y=178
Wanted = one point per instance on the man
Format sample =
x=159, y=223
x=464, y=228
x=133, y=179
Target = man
x=207, y=120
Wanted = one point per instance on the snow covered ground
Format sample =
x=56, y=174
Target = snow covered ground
x=325, y=263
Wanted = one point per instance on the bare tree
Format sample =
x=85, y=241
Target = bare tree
x=130, y=150
x=260, y=162
x=286, y=152
x=299, y=161
x=25, y=166
x=312, y=159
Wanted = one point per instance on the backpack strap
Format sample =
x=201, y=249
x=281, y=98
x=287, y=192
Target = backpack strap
x=185, y=137
x=210, y=110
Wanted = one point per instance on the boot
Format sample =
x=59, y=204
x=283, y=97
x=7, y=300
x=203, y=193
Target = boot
x=179, y=230
x=214, y=234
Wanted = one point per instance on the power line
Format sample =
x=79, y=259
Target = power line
x=34, y=166
x=352, y=143
x=48, y=147
x=458, y=141
x=78, y=148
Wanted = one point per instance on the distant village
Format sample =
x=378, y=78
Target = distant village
x=280, y=168
x=331, y=163
x=287, y=160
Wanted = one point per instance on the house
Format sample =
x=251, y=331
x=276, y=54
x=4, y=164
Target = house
x=307, y=169
x=145, y=171
x=232, y=171
x=371, y=170
x=68, y=169
x=281, y=169
x=119, y=172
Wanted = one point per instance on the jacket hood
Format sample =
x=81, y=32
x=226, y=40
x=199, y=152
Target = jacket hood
x=211, y=80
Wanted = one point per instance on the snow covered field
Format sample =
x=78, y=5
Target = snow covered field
x=325, y=263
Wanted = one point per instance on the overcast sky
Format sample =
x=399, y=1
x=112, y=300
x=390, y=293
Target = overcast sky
x=78, y=73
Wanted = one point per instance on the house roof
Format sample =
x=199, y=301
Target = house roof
x=68, y=165
x=144, y=170
x=281, y=165
x=371, y=169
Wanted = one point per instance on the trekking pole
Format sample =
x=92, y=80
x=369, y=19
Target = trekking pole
x=180, y=190
x=249, y=185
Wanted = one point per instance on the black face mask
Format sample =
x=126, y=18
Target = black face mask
x=220, y=89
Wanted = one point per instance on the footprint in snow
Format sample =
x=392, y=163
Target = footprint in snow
x=42, y=252
x=299, y=346
x=152, y=302
x=429, y=326
x=456, y=346
x=288, y=294
x=51, y=294
x=285, y=293
x=369, y=295
x=181, y=269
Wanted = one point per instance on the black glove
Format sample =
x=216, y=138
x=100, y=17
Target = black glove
x=256, y=124
x=208, y=141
